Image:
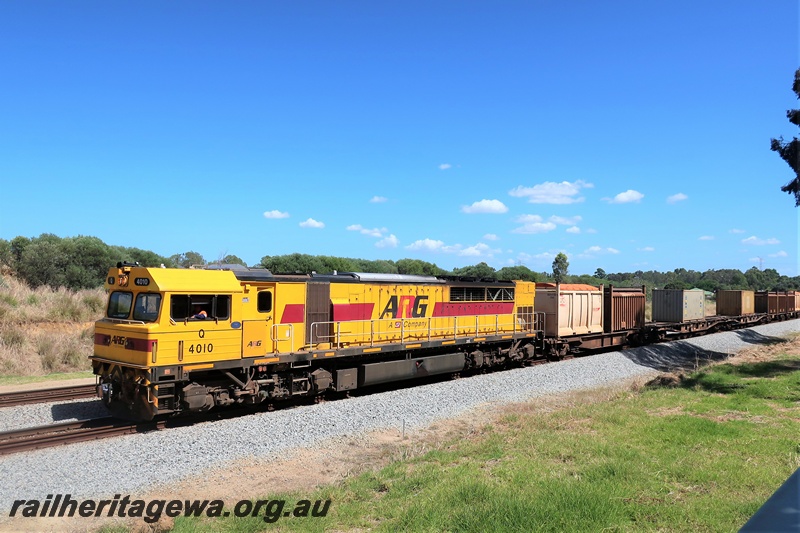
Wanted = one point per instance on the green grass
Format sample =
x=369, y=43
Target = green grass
x=22, y=380
x=702, y=457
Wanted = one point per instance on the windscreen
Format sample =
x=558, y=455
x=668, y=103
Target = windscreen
x=119, y=304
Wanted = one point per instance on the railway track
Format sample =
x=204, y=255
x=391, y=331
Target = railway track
x=69, y=432
x=57, y=394
x=40, y=437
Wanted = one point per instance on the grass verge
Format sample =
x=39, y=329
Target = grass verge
x=703, y=456
x=22, y=380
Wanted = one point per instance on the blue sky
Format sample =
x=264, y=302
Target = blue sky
x=629, y=135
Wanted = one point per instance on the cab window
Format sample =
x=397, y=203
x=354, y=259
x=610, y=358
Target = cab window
x=200, y=307
x=265, y=302
x=119, y=304
x=147, y=307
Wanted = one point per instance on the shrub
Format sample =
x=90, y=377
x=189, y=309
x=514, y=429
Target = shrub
x=94, y=302
x=9, y=299
x=11, y=336
x=65, y=307
x=48, y=352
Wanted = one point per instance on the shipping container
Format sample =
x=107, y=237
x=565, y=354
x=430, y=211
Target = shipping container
x=569, y=309
x=677, y=305
x=623, y=308
x=735, y=303
x=774, y=302
x=791, y=301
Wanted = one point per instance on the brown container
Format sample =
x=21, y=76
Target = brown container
x=623, y=308
x=792, y=301
x=773, y=302
x=735, y=303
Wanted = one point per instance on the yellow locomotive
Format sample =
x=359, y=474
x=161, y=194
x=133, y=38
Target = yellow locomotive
x=176, y=340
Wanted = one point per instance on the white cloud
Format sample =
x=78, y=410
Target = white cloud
x=539, y=258
x=626, y=197
x=311, y=223
x=591, y=230
x=706, y=238
x=377, y=199
x=275, y=214
x=388, y=242
x=779, y=254
x=574, y=229
x=490, y=237
x=534, y=227
x=734, y=230
x=760, y=242
x=374, y=232
x=647, y=249
x=429, y=245
x=551, y=192
x=485, y=206
x=676, y=198
x=445, y=166
x=597, y=250
x=524, y=219
x=478, y=250
x=566, y=221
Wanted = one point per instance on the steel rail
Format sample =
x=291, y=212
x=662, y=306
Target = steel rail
x=56, y=394
x=69, y=432
x=39, y=437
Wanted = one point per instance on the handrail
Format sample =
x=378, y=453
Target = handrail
x=274, y=337
x=391, y=330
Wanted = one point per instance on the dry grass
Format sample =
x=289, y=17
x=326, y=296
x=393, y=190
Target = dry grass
x=768, y=352
x=44, y=331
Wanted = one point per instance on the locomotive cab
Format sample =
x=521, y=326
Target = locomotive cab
x=156, y=325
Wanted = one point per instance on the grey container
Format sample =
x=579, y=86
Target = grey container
x=676, y=305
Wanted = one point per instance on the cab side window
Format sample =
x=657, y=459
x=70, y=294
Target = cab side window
x=265, y=302
x=222, y=307
x=200, y=307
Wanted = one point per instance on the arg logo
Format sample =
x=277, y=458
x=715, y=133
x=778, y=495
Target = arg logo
x=405, y=307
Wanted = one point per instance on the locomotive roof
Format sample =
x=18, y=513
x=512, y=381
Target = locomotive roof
x=262, y=274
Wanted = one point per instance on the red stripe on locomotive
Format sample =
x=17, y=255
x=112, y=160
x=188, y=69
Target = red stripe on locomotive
x=293, y=314
x=346, y=312
x=472, y=308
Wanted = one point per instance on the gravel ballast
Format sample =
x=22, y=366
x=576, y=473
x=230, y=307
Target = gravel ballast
x=133, y=464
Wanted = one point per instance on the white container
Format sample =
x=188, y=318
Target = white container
x=569, y=309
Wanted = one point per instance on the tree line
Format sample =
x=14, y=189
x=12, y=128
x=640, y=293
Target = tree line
x=82, y=263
